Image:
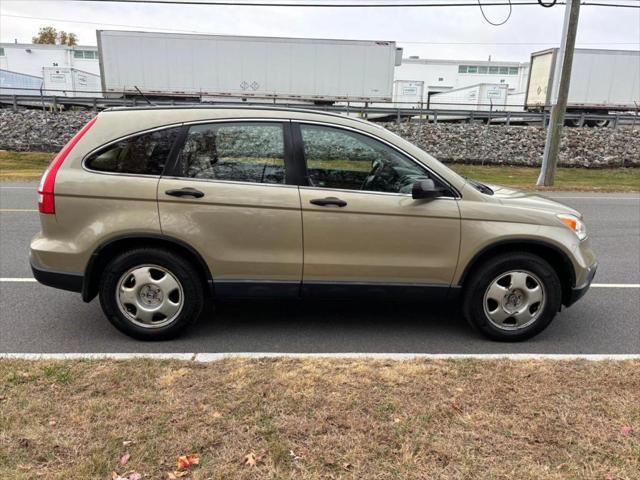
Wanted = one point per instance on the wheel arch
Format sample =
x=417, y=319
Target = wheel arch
x=558, y=260
x=113, y=246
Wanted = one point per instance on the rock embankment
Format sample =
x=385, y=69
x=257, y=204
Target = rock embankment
x=34, y=130
x=524, y=145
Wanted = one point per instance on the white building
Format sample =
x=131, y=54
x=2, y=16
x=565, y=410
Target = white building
x=30, y=59
x=418, y=78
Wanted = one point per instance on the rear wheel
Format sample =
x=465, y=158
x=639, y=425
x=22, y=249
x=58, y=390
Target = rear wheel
x=151, y=294
x=512, y=297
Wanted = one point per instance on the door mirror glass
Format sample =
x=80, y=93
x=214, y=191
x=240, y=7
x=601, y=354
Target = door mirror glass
x=426, y=189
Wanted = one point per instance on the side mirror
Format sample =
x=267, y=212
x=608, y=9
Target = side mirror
x=426, y=189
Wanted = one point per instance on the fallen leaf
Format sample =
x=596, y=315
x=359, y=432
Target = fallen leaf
x=3, y=398
x=216, y=414
x=127, y=443
x=253, y=460
x=185, y=461
x=124, y=459
x=135, y=476
x=626, y=431
x=346, y=465
x=456, y=406
x=52, y=423
x=171, y=476
x=250, y=459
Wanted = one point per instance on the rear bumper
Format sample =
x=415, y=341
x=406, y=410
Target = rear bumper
x=62, y=280
x=578, y=292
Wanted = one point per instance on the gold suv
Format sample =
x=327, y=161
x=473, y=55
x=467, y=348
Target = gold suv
x=159, y=210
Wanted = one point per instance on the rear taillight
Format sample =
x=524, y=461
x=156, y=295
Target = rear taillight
x=46, y=197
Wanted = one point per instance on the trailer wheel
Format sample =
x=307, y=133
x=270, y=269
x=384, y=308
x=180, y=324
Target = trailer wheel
x=597, y=123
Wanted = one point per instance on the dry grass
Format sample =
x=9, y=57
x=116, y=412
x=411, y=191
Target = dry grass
x=23, y=165
x=321, y=419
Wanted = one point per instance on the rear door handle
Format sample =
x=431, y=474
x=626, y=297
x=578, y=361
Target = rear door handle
x=323, y=202
x=185, y=192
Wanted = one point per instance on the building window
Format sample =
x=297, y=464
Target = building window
x=482, y=70
x=441, y=79
x=85, y=54
x=1, y=51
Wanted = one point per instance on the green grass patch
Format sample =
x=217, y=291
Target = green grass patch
x=23, y=165
x=605, y=179
x=30, y=165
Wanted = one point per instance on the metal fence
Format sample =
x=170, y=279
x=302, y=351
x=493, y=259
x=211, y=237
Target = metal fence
x=378, y=111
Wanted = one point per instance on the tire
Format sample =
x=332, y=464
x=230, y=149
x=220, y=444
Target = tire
x=512, y=297
x=597, y=123
x=151, y=293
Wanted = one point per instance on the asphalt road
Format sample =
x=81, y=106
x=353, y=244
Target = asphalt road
x=38, y=319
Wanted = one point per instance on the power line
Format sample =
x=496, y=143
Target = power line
x=408, y=42
x=243, y=3
x=387, y=4
x=498, y=23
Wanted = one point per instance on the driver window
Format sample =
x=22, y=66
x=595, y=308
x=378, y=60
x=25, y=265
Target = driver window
x=343, y=159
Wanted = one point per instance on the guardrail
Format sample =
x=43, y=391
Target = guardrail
x=393, y=112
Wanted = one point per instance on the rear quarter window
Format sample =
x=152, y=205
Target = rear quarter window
x=144, y=154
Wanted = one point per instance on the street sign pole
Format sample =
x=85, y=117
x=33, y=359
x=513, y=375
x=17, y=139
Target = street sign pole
x=559, y=101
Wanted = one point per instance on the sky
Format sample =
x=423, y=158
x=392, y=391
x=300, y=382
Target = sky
x=443, y=33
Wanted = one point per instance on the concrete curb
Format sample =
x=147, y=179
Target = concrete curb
x=214, y=357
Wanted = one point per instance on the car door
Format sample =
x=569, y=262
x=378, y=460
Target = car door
x=363, y=231
x=230, y=195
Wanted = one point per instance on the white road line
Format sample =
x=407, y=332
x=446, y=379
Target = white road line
x=594, y=285
x=215, y=357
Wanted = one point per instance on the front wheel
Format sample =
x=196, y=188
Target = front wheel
x=512, y=297
x=151, y=294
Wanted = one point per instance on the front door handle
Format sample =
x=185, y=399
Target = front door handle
x=185, y=192
x=323, y=202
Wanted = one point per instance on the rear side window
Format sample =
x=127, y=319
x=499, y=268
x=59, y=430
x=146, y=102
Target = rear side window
x=143, y=154
x=240, y=151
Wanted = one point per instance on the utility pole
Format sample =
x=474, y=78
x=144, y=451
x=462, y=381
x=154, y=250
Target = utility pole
x=559, y=104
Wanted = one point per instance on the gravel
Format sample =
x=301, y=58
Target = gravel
x=34, y=130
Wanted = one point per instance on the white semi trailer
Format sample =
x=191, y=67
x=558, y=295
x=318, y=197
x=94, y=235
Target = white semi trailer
x=318, y=70
x=602, y=81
